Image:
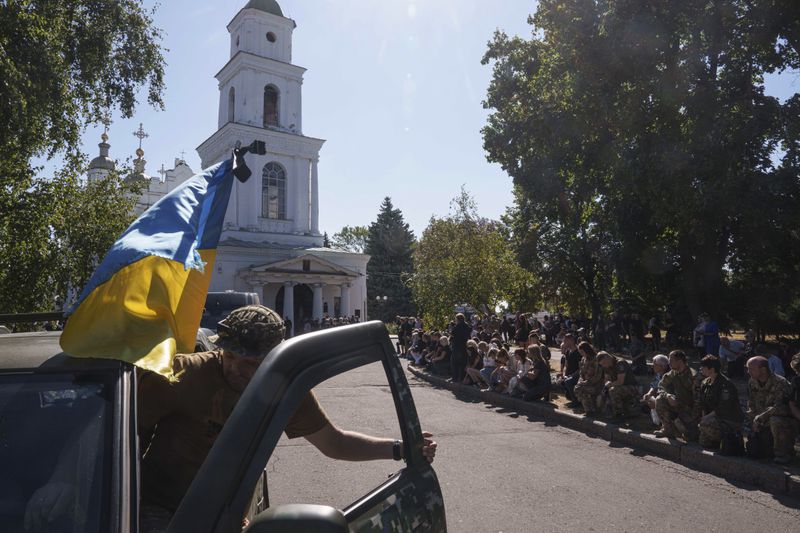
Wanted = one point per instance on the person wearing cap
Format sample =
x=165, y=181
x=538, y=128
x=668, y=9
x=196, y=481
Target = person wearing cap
x=721, y=412
x=773, y=425
x=179, y=421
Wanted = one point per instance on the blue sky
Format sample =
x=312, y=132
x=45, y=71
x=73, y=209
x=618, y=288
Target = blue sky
x=394, y=86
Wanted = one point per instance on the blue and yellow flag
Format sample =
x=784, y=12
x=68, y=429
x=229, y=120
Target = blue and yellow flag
x=144, y=302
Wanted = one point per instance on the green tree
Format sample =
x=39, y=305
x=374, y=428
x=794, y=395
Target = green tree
x=63, y=65
x=390, y=244
x=639, y=135
x=351, y=239
x=464, y=259
x=56, y=235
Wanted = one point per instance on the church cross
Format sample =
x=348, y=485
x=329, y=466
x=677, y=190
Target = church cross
x=106, y=121
x=140, y=134
x=163, y=172
x=183, y=155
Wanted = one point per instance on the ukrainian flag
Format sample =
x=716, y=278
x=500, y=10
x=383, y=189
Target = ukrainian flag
x=144, y=302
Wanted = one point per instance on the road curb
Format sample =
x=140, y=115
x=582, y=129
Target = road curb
x=766, y=476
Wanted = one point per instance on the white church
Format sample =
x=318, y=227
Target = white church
x=271, y=243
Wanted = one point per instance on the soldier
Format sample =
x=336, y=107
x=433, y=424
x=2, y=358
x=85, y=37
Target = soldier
x=675, y=401
x=178, y=422
x=719, y=400
x=768, y=410
x=620, y=382
x=590, y=382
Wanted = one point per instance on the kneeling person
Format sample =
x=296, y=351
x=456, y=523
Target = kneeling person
x=769, y=412
x=620, y=382
x=675, y=401
x=719, y=399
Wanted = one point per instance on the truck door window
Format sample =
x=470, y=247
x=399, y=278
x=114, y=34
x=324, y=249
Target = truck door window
x=359, y=400
x=55, y=452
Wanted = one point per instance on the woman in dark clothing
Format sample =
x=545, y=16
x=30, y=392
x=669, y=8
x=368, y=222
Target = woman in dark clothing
x=536, y=382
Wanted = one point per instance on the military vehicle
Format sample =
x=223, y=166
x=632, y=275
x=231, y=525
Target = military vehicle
x=54, y=406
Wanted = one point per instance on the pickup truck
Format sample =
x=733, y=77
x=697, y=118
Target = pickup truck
x=54, y=406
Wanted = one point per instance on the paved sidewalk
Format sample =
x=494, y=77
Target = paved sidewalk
x=766, y=475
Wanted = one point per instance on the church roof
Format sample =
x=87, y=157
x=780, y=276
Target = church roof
x=268, y=6
x=102, y=162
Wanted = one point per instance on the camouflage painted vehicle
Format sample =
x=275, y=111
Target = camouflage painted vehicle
x=50, y=402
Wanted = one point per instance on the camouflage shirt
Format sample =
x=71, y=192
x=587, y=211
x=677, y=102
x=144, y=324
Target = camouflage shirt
x=768, y=398
x=681, y=385
x=591, y=372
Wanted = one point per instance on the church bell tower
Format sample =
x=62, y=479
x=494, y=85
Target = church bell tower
x=261, y=99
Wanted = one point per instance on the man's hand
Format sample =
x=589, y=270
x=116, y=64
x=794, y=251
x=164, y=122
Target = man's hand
x=428, y=446
x=47, y=504
x=672, y=400
x=757, y=422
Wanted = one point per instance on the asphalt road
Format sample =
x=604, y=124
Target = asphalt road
x=503, y=472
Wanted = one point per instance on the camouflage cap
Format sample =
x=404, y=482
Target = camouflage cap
x=250, y=331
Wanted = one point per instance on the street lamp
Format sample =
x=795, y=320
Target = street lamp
x=378, y=301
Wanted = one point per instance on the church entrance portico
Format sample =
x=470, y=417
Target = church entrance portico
x=299, y=306
x=306, y=287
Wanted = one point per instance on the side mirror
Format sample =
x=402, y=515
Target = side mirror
x=299, y=517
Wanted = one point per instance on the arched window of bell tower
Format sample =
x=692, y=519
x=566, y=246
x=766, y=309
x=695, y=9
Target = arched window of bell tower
x=271, y=100
x=273, y=191
x=231, y=104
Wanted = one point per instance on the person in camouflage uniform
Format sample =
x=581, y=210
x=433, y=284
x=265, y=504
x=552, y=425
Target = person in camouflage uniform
x=768, y=412
x=621, y=385
x=675, y=404
x=590, y=382
x=719, y=402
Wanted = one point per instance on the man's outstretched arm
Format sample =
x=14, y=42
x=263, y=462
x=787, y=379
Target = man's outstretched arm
x=352, y=446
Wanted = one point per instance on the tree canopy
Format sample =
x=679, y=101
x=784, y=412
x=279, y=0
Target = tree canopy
x=649, y=164
x=351, y=239
x=56, y=235
x=464, y=259
x=63, y=65
x=390, y=244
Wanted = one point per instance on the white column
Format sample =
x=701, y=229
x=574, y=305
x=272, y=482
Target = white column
x=300, y=195
x=344, y=304
x=317, y=312
x=261, y=290
x=288, y=303
x=314, y=197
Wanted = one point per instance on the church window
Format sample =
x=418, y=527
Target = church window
x=237, y=41
x=270, y=106
x=306, y=265
x=271, y=37
x=273, y=191
x=231, y=104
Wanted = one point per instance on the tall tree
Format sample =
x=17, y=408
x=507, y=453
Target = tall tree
x=351, y=239
x=390, y=244
x=640, y=131
x=464, y=259
x=63, y=65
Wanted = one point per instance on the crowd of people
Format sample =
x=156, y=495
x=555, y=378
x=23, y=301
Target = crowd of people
x=510, y=355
